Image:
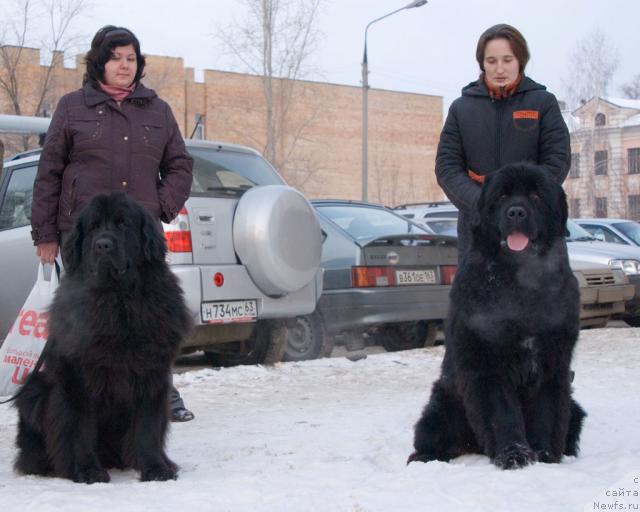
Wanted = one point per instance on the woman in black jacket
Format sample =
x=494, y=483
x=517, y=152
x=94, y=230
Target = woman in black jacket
x=503, y=117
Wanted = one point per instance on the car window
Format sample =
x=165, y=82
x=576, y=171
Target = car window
x=453, y=214
x=15, y=210
x=443, y=226
x=575, y=233
x=604, y=234
x=228, y=172
x=367, y=222
x=630, y=229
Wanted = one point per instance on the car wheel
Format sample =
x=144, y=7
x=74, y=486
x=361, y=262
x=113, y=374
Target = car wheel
x=407, y=335
x=633, y=321
x=305, y=339
x=264, y=346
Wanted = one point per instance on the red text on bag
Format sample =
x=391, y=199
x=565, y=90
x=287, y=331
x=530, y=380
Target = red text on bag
x=32, y=323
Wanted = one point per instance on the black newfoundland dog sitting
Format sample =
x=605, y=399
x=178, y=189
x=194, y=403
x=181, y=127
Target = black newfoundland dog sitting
x=505, y=386
x=118, y=317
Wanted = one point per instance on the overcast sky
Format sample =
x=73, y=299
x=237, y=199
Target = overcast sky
x=428, y=50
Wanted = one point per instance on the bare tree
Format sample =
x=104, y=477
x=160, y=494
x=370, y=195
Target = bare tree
x=45, y=24
x=275, y=41
x=593, y=62
x=631, y=89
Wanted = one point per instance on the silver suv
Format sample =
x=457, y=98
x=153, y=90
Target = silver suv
x=246, y=248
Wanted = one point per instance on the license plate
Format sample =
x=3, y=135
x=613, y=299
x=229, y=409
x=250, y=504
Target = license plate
x=229, y=311
x=415, y=277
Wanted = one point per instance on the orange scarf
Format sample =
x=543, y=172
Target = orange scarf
x=499, y=93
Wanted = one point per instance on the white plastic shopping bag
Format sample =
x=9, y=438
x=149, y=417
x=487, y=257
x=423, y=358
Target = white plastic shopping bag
x=26, y=339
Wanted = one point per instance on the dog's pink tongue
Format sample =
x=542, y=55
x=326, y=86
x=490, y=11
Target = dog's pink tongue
x=517, y=241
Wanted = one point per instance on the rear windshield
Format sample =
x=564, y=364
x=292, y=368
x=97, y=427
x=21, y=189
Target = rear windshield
x=228, y=173
x=366, y=222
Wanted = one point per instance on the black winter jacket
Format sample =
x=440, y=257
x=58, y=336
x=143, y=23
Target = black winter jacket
x=481, y=135
x=95, y=146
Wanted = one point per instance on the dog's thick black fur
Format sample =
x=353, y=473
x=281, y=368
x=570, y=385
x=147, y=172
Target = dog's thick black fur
x=505, y=386
x=118, y=317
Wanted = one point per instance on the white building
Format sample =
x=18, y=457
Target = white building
x=604, y=180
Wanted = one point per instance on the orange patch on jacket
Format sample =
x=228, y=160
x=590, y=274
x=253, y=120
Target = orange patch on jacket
x=526, y=114
x=478, y=178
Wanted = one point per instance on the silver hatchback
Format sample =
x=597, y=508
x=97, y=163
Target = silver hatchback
x=246, y=248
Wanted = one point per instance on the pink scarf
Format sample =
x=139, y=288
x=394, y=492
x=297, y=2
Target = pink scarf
x=116, y=92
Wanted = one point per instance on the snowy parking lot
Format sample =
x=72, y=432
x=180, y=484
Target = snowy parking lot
x=334, y=435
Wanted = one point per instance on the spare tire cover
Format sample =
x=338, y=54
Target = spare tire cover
x=278, y=239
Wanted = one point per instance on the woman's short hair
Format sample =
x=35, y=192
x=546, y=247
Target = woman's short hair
x=503, y=31
x=105, y=40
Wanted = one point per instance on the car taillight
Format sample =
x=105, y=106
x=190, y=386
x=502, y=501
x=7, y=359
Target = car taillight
x=448, y=272
x=178, y=233
x=367, y=277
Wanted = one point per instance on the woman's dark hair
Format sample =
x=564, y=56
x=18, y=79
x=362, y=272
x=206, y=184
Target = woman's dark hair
x=105, y=40
x=503, y=31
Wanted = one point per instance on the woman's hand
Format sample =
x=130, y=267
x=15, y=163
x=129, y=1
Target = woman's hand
x=47, y=252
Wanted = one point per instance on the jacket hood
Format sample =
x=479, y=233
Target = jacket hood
x=478, y=88
x=93, y=96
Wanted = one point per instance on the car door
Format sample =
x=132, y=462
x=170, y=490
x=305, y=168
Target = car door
x=18, y=262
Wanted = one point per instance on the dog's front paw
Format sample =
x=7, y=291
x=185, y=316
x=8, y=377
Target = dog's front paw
x=422, y=457
x=91, y=476
x=514, y=456
x=546, y=456
x=158, y=472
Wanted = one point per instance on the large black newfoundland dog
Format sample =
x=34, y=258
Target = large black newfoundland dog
x=118, y=317
x=505, y=386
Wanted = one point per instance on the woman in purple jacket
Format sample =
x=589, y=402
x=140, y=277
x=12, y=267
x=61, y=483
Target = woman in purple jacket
x=113, y=134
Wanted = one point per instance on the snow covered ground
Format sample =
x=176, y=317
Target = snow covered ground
x=334, y=435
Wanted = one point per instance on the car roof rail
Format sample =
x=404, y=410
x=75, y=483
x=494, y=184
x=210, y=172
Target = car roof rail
x=25, y=154
x=426, y=204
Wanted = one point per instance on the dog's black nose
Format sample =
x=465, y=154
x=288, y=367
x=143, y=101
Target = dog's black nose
x=104, y=245
x=517, y=213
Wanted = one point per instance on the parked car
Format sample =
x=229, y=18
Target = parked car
x=604, y=281
x=615, y=231
x=245, y=247
x=386, y=281
x=585, y=247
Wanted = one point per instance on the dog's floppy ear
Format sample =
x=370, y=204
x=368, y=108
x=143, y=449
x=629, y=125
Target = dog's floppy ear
x=562, y=207
x=72, y=247
x=153, y=242
x=478, y=206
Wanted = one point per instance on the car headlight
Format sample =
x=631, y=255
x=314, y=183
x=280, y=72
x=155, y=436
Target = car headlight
x=629, y=267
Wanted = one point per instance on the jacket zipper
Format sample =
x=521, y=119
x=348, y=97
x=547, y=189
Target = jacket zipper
x=499, y=114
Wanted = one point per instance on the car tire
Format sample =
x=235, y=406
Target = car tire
x=306, y=339
x=407, y=335
x=633, y=321
x=264, y=346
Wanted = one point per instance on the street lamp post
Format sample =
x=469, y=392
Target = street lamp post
x=365, y=99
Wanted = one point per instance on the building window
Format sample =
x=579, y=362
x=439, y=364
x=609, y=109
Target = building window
x=601, y=207
x=574, y=171
x=600, y=162
x=198, y=129
x=634, y=207
x=574, y=208
x=633, y=156
x=601, y=119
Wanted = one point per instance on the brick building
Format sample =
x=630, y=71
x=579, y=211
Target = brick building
x=604, y=180
x=323, y=130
